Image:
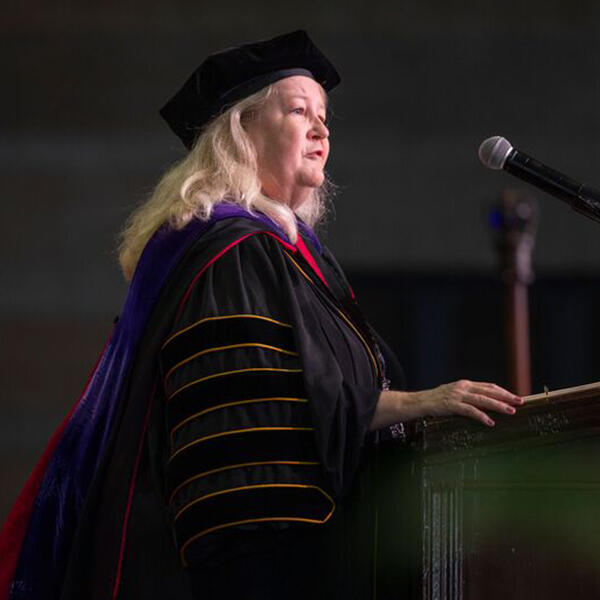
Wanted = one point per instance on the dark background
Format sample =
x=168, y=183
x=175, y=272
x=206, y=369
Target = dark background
x=423, y=84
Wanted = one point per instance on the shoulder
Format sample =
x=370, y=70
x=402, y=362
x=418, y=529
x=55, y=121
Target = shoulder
x=235, y=257
x=223, y=239
x=239, y=234
x=237, y=244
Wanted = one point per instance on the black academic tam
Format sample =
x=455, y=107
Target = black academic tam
x=230, y=75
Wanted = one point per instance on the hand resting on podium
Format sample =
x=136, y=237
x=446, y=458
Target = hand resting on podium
x=463, y=398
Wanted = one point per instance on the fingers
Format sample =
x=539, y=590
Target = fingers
x=468, y=410
x=488, y=403
x=495, y=391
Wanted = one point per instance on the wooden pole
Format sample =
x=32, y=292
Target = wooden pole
x=517, y=335
x=515, y=220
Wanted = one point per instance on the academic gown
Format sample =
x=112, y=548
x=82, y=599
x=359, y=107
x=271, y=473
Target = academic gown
x=241, y=461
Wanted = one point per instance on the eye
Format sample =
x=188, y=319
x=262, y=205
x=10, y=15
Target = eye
x=298, y=110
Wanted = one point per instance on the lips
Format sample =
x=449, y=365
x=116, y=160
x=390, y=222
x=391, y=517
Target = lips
x=314, y=155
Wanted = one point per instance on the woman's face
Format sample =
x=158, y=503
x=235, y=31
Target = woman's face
x=291, y=140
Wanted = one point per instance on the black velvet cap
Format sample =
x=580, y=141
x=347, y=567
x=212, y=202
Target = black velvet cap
x=228, y=76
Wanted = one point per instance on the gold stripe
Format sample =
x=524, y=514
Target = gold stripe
x=234, y=431
x=248, y=464
x=359, y=335
x=299, y=268
x=374, y=362
x=218, y=318
x=251, y=487
x=228, y=404
x=187, y=385
x=230, y=347
x=244, y=521
x=257, y=520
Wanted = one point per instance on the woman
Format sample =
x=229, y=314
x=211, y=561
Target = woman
x=222, y=445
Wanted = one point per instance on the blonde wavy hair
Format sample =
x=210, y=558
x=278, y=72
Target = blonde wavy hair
x=221, y=165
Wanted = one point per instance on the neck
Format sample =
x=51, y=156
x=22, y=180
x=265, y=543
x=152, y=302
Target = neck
x=293, y=198
x=300, y=196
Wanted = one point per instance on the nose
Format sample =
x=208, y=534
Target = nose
x=319, y=129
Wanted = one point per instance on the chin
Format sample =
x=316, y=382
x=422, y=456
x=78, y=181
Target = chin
x=314, y=179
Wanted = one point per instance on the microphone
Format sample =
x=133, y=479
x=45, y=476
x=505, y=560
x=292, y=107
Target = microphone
x=497, y=153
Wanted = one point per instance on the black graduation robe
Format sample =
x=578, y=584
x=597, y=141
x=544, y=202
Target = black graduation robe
x=253, y=391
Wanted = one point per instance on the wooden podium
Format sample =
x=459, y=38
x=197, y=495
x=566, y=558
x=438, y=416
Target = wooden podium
x=506, y=513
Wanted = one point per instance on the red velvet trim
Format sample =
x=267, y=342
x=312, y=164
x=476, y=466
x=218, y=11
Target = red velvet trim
x=309, y=259
x=15, y=527
x=282, y=242
x=131, y=489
